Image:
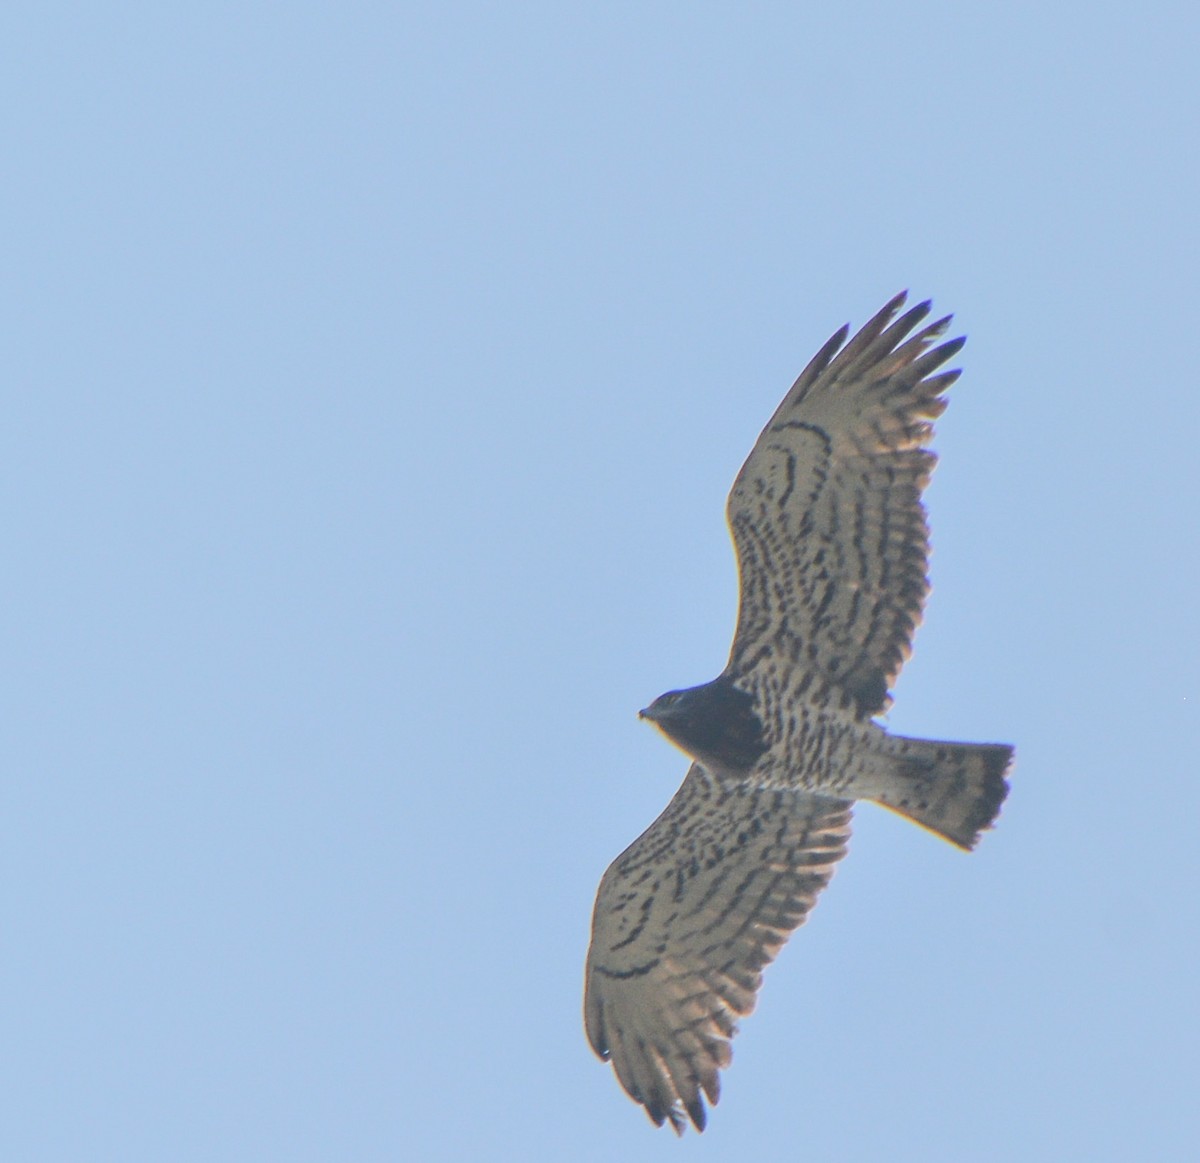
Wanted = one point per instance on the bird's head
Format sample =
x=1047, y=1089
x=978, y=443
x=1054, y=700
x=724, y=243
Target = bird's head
x=673, y=704
x=714, y=723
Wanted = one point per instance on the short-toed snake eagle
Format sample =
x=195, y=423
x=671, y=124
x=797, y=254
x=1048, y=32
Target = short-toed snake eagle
x=832, y=549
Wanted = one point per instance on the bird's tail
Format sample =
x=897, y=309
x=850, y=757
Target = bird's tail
x=953, y=789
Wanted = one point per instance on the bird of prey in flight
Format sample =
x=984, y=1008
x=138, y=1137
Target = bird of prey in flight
x=832, y=550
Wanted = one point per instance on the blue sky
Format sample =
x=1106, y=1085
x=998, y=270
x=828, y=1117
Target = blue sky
x=375, y=378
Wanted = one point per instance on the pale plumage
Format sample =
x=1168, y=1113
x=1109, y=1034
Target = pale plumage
x=832, y=549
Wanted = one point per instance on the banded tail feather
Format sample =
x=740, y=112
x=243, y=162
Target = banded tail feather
x=953, y=789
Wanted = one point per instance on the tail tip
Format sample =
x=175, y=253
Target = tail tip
x=997, y=765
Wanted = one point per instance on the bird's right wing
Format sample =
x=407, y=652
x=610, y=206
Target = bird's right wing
x=685, y=920
x=826, y=512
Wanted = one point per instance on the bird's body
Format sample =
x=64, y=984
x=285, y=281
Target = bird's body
x=832, y=548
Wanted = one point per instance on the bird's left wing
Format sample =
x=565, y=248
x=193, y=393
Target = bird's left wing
x=685, y=920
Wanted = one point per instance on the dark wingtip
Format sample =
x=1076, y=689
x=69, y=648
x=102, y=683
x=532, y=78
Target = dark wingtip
x=888, y=311
x=673, y=1114
x=953, y=346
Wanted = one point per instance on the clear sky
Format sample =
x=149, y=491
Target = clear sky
x=374, y=378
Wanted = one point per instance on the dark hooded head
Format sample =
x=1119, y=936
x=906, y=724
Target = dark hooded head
x=714, y=723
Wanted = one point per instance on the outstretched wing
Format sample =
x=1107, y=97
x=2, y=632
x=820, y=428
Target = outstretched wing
x=685, y=920
x=826, y=513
